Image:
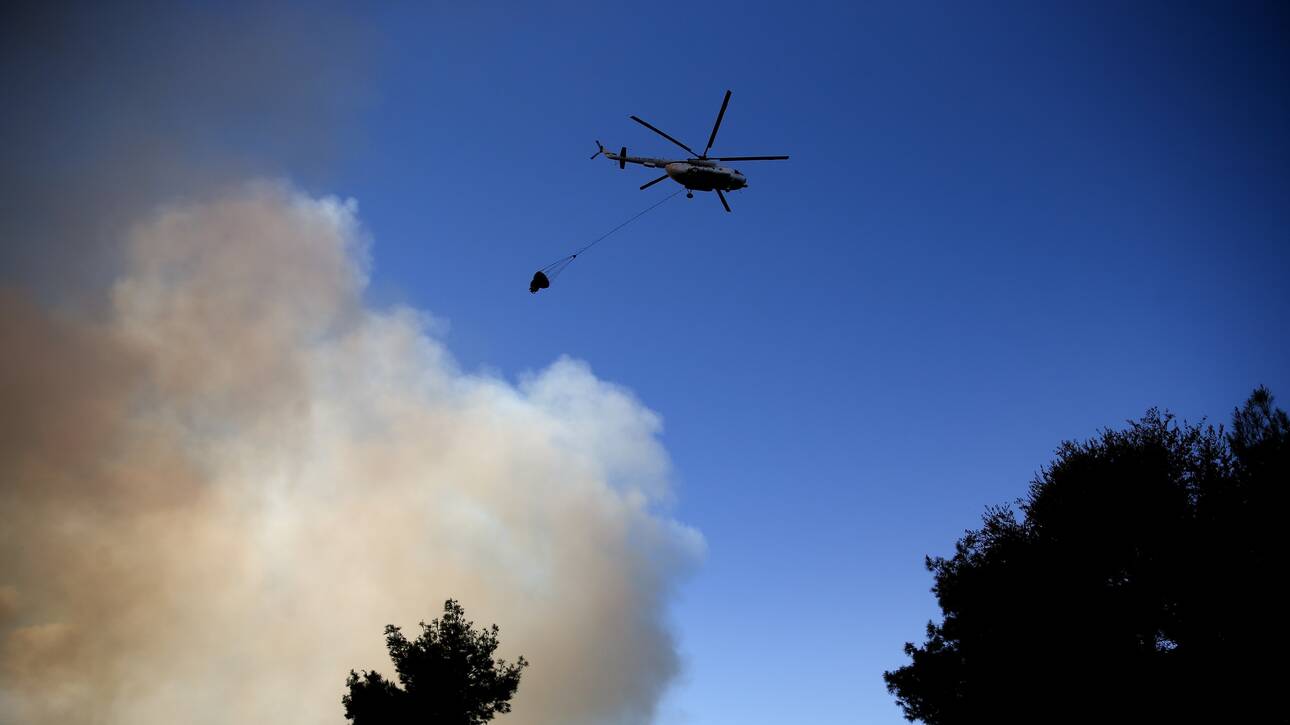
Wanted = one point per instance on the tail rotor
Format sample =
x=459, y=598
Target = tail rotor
x=622, y=154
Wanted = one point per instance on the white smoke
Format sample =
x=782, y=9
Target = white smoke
x=213, y=501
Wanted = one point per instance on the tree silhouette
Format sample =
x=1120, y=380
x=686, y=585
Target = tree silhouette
x=1141, y=583
x=448, y=676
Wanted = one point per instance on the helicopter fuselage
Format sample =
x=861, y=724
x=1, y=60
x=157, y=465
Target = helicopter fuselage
x=696, y=174
x=705, y=176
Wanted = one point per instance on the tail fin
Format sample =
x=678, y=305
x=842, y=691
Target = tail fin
x=599, y=150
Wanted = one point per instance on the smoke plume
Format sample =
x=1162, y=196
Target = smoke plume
x=215, y=493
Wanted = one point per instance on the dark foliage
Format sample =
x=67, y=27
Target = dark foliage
x=448, y=677
x=1141, y=583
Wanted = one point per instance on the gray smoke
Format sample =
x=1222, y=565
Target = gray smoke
x=216, y=498
x=222, y=472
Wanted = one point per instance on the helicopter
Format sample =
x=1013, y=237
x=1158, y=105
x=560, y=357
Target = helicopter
x=699, y=172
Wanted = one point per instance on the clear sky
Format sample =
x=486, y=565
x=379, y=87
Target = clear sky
x=1003, y=225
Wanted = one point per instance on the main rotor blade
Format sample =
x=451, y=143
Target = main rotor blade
x=642, y=122
x=749, y=158
x=722, y=197
x=646, y=186
x=720, y=114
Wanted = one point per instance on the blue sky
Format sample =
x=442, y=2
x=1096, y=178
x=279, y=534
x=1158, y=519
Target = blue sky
x=1001, y=227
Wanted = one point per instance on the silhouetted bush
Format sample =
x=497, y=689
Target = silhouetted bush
x=448, y=676
x=1141, y=583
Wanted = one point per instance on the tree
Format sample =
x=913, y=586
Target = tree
x=1141, y=583
x=448, y=676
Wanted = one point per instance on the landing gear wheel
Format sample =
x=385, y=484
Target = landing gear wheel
x=689, y=194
